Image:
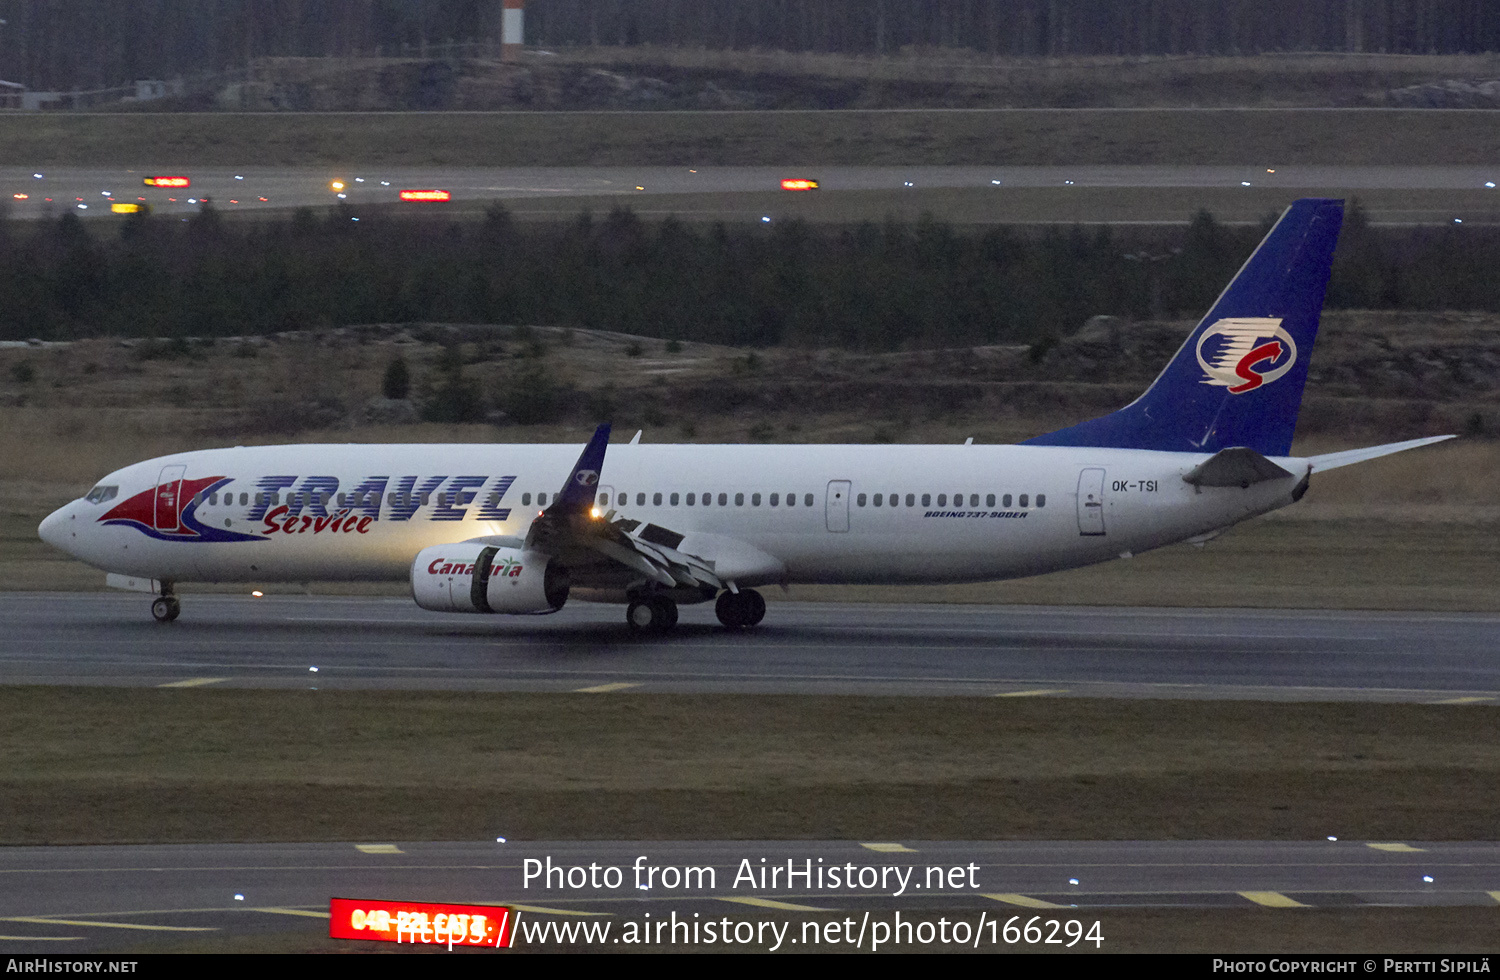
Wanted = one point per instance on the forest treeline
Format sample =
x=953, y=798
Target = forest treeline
x=82, y=44
x=875, y=286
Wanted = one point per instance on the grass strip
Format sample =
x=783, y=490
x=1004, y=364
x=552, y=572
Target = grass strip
x=796, y=138
x=110, y=765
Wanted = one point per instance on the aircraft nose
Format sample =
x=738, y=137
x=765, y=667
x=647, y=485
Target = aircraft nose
x=54, y=529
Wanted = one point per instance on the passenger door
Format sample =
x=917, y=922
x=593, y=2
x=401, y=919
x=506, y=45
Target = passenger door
x=168, y=488
x=1091, y=502
x=837, y=505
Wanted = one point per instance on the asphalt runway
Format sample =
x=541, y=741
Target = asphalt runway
x=802, y=648
x=92, y=192
x=68, y=900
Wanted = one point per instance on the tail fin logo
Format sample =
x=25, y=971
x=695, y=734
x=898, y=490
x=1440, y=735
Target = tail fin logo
x=1244, y=353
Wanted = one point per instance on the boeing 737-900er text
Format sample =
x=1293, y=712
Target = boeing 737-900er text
x=520, y=529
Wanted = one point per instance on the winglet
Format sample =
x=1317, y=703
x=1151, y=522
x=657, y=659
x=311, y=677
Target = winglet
x=577, y=494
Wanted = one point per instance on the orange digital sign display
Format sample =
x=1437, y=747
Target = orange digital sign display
x=167, y=182
x=424, y=923
x=426, y=195
x=799, y=184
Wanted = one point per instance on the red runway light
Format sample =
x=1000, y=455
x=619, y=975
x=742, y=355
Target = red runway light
x=426, y=195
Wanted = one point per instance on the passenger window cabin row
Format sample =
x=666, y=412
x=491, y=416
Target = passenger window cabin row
x=990, y=500
x=862, y=500
x=362, y=499
x=622, y=499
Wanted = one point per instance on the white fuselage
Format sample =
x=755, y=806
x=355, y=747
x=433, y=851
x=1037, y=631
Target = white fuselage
x=961, y=513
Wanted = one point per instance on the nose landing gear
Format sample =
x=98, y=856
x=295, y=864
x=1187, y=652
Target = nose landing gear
x=166, y=607
x=740, y=610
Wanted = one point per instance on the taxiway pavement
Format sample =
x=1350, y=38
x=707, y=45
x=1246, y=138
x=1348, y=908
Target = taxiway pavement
x=801, y=648
x=66, y=900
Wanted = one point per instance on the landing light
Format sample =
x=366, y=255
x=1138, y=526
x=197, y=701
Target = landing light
x=337, y=185
x=594, y=513
x=1270, y=171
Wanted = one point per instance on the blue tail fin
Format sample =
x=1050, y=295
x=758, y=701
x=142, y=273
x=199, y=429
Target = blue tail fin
x=1238, y=379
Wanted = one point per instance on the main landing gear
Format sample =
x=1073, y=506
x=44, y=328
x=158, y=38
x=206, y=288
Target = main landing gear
x=658, y=614
x=740, y=610
x=166, y=607
x=654, y=614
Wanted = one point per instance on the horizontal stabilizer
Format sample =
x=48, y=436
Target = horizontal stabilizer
x=1332, y=461
x=1235, y=467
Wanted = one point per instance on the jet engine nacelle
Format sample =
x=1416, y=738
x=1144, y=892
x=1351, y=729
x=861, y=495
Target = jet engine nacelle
x=473, y=577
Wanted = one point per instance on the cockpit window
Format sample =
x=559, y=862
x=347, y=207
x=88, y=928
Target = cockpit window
x=101, y=493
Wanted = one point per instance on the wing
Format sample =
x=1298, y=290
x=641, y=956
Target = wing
x=603, y=550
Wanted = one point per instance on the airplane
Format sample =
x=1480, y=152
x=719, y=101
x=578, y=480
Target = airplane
x=521, y=529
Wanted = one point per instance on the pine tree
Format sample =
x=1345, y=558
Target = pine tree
x=397, y=381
